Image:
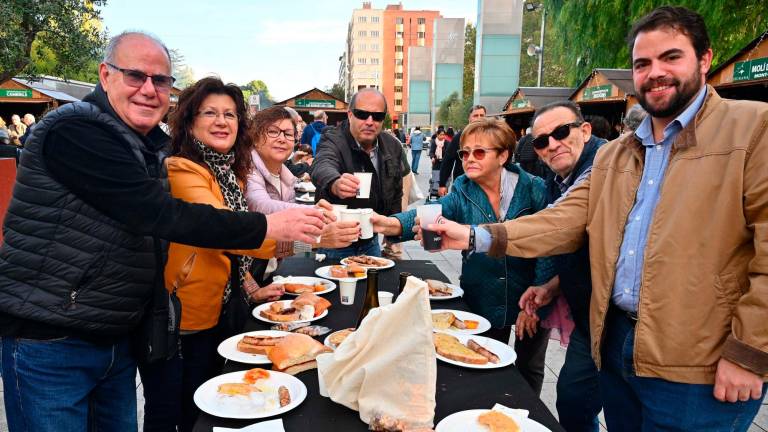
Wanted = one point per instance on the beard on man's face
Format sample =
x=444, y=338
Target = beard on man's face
x=685, y=93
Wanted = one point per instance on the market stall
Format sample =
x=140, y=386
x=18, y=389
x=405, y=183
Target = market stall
x=519, y=109
x=608, y=93
x=745, y=75
x=310, y=101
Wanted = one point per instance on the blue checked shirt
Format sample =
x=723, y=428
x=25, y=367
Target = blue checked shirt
x=629, y=268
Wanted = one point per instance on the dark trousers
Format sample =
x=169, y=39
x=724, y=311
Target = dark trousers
x=641, y=404
x=578, y=390
x=170, y=385
x=531, y=353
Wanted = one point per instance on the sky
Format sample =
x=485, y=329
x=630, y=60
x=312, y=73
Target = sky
x=291, y=45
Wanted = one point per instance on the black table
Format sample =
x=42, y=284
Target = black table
x=458, y=388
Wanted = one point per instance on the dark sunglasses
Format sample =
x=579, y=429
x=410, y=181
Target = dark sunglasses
x=478, y=153
x=137, y=78
x=561, y=132
x=363, y=115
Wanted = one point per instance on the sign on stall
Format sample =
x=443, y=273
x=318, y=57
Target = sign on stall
x=598, y=92
x=315, y=103
x=751, y=69
x=520, y=103
x=16, y=93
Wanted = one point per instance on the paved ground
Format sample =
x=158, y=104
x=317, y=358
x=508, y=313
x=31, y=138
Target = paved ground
x=450, y=264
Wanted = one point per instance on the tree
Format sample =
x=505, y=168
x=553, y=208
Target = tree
x=553, y=73
x=65, y=27
x=454, y=111
x=257, y=86
x=337, y=91
x=470, y=36
x=591, y=34
x=185, y=77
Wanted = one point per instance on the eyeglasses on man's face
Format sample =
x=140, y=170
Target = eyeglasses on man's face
x=363, y=115
x=274, y=132
x=477, y=154
x=136, y=78
x=561, y=132
x=212, y=114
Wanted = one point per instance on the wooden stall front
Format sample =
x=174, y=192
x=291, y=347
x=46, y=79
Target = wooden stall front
x=520, y=107
x=608, y=93
x=745, y=75
x=310, y=101
x=20, y=99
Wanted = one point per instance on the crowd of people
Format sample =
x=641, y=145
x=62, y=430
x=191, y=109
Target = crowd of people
x=646, y=255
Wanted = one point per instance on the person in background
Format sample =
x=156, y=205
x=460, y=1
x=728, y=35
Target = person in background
x=5, y=136
x=493, y=190
x=360, y=146
x=676, y=215
x=634, y=117
x=300, y=162
x=16, y=130
x=437, y=149
x=91, y=188
x=564, y=142
x=6, y=149
x=270, y=186
x=417, y=146
x=452, y=167
x=210, y=160
x=29, y=122
x=312, y=133
x=600, y=127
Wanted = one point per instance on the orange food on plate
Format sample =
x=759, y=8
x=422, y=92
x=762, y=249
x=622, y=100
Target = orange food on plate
x=254, y=375
x=471, y=324
x=319, y=287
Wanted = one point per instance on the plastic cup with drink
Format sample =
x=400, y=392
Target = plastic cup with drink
x=430, y=214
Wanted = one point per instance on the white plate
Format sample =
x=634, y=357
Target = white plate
x=483, y=324
x=389, y=264
x=466, y=421
x=506, y=353
x=327, y=340
x=305, y=187
x=287, y=303
x=207, y=398
x=228, y=348
x=307, y=280
x=457, y=292
x=325, y=272
x=306, y=198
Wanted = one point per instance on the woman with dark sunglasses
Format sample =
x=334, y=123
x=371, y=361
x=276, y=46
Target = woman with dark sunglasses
x=493, y=190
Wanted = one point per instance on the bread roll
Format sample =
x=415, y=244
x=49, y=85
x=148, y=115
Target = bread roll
x=498, y=422
x=295, y=349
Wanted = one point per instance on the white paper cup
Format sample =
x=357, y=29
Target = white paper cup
x=430, y=214
x=351, y=215
x=385, y=298
x=364, y=189
x=320, y=380
x=366, y=227
x=347, y=291
x=337, y=208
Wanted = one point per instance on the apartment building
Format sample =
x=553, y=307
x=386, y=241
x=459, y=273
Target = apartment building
x=386, y=34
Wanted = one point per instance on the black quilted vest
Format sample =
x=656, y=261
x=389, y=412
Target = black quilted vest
x=63, y=262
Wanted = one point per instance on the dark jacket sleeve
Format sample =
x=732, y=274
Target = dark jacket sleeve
x=432, y=147
x=306, y=135
x=449, y=158
x=101, y=170
x=326, y=167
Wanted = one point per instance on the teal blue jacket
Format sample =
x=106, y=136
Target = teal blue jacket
x=493, y=286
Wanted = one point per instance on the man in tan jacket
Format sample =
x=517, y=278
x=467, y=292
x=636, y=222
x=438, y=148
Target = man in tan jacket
x=676, y=216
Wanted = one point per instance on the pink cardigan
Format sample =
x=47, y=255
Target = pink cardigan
x=262, y=196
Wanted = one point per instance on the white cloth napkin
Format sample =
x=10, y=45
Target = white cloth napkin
x=267, y=426
x=388, y=366
x=520, y=416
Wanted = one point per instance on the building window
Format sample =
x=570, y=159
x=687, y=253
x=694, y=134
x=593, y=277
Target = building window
x=360, y=87
x=421, y=35
x=374, y=19
x=362, y=33
x=374, y=60
x=398, y=102
x=361, y=60
x=362, y=19
x=398, y=20
x=399, y=48
x=361, y=47
x=398, y=89
x=374, y=33
x=422, y=21
x=398, y=75
x=399, y=35
x=398, y=62
x=375, y=47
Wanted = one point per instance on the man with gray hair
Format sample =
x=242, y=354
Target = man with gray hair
x=85, y=245
x=29, y=121
x=634, y=117
x=314, y=130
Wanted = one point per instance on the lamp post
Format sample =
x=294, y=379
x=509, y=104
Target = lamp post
x=538, y=50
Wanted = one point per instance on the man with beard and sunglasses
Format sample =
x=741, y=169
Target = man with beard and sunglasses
x=677, y=216
x=359, y=146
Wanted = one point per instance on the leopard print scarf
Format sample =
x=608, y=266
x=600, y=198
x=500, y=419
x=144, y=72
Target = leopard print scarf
x=221, y=166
